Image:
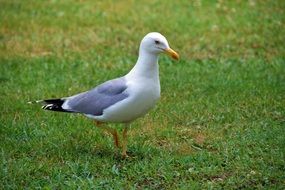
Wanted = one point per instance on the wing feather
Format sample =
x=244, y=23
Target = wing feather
x=95, y=101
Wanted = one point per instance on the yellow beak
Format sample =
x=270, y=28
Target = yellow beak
x=172, y=53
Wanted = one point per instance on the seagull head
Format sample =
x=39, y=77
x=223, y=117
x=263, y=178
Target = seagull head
x=155, y=43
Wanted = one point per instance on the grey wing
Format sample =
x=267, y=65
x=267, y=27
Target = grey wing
x=96, y=100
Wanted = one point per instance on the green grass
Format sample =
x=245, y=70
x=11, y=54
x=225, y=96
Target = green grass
x=220, y=123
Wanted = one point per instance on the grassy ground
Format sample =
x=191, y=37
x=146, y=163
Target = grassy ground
x=220, y=120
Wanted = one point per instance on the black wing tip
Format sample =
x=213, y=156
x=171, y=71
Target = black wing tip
x=58, y=101
x=51, y=104
x=54, y=105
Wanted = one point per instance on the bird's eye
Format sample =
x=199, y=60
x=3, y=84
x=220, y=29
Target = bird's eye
x=156, y=42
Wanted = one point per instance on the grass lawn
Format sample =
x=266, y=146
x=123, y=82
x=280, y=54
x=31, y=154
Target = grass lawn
x=220, y=123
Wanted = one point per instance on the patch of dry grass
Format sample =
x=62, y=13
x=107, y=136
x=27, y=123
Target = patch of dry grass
x=200, y=29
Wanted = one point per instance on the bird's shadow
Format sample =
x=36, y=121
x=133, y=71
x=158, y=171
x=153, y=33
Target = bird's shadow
x=106, y=152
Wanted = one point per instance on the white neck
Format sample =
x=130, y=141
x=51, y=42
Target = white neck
x=146, y=66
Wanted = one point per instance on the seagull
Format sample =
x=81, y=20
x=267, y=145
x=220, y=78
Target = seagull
x=123, y=99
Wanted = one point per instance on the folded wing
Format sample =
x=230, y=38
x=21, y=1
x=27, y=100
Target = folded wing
x=95, y=101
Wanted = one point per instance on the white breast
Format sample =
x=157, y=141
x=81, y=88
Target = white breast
x=143, y=95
